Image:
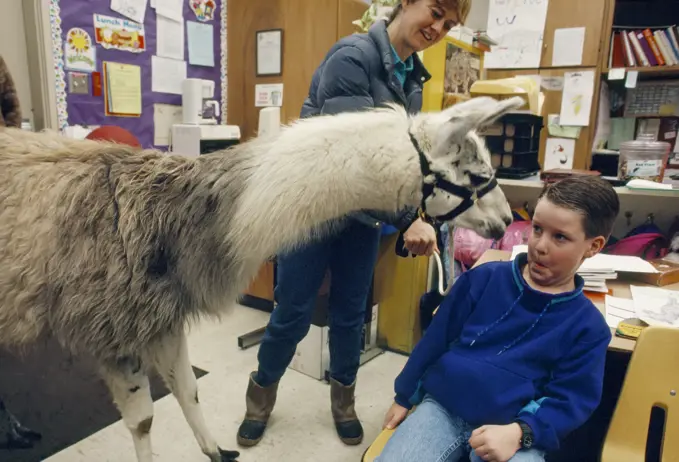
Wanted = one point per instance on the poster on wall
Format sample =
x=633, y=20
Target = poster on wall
x=518, y=27
x=117, y=33
x=203, y=9
x=269, y=95
x=79, y=52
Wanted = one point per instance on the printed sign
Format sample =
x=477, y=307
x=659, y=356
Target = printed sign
x=119, y=33
x=79, y=52
x=204, y=9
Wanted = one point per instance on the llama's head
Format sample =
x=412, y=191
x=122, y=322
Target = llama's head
x=459, y=180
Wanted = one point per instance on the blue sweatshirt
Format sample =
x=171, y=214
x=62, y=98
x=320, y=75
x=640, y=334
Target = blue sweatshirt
x=498, y=351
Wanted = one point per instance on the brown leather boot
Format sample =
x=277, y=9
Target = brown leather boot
x=348, y=426
x=259, y=402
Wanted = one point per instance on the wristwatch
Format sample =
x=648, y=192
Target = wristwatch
x=526, y=436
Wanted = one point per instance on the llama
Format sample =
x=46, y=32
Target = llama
x=113, y=250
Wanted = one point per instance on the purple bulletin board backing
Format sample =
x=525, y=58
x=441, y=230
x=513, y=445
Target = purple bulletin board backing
x=76, y=109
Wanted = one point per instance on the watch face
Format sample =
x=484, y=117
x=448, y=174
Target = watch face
x=527, y=441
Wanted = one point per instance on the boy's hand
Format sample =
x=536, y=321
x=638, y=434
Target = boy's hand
x=496, y=443
x=395, y=416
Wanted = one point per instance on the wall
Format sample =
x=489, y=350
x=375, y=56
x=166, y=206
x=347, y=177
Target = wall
x=13, y=50
x=310, y=28
x=478, y=15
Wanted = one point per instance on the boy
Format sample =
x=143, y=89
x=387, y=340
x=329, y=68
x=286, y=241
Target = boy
x=514, y=358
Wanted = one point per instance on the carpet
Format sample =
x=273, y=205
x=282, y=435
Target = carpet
x=60, y=396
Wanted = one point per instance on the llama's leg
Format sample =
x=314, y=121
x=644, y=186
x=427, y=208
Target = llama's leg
x=131, y=393
x=172, y=363
x=15, y=435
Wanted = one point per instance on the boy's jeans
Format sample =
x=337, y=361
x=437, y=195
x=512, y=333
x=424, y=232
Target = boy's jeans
x=350, y=254
x=431, y=434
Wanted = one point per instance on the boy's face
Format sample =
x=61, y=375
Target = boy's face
x=558, y=245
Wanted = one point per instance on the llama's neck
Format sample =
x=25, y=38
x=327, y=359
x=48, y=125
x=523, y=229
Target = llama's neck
x=322, y=171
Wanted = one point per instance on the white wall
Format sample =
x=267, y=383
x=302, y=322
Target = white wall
x=478, y=16
x=13, y=51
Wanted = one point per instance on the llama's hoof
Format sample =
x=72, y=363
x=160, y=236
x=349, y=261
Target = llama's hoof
x=20, y=437
x=226, y=456
x=26, y=433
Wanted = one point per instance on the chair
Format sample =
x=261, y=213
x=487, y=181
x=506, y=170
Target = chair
x=652, y=380
x=377, y=446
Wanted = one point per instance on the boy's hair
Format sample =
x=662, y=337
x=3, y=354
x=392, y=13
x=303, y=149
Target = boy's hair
x=591, y=196
x=461, y=7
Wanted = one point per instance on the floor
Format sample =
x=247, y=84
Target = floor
x=301, y=427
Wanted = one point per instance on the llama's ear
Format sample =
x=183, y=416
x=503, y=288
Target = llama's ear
x=501, y=108
x=475, y=113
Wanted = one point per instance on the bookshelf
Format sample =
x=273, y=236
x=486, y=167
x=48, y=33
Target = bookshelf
x=660, y=71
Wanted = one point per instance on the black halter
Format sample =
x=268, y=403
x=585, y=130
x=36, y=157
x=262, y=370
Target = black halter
x=469, y=195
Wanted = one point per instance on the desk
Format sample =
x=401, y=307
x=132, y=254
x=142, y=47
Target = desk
x=619, y=287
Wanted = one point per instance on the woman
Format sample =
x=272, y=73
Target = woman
x=360, y=71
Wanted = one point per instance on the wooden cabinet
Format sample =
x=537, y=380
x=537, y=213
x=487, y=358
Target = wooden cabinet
x=310, y=28
x=575, y=13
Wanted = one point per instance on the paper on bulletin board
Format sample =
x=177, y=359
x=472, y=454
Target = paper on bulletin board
x=133, y=9
x=559, y=153
x=201, y=44
x=564, y=131
x=167, y=75
x=119, y=33
x=170, y=38
x=80, y=54
x=164, y=117
x=123, y=89
x=518, y=28
x=172, y=9
x=576, y=100
x=269, y=95
x=569, y=44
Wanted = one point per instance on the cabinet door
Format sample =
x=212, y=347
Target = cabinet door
x=575, y=13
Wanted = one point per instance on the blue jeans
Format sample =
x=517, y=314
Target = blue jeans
x=431, y=434
x=350, y=254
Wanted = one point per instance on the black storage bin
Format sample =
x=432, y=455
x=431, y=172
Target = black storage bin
x=514, y=145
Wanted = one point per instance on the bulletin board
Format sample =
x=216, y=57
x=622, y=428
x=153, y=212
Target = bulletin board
x=82, y=105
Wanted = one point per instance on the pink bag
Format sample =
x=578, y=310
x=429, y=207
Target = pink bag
x=645, y=245
x=469, y=246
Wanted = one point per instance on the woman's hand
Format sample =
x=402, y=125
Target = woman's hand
x=496, y=443
x=420, y=238
x=395, y=416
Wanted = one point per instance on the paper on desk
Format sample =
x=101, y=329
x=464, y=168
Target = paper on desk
x=170, y=38
x=568, y=46
x=618, y=309
x=604, y=263
x=167, y=75
x=576, y=102
x=201, y=44
x=164, y=116
x=133, y=9
x=170, y=9
x=656, y=307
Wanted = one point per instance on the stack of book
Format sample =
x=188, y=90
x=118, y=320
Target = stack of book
x=644, y=47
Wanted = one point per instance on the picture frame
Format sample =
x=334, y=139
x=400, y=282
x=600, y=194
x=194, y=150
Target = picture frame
x=269, y=52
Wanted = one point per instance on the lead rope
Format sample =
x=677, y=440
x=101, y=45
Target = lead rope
x=451, y=243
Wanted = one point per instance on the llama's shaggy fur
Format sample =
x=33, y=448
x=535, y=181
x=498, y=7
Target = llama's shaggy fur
x=113, y=250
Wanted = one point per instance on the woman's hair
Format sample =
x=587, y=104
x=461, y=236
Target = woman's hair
x=462, y=7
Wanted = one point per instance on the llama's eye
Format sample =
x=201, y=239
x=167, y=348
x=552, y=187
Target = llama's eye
x=477, y=180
